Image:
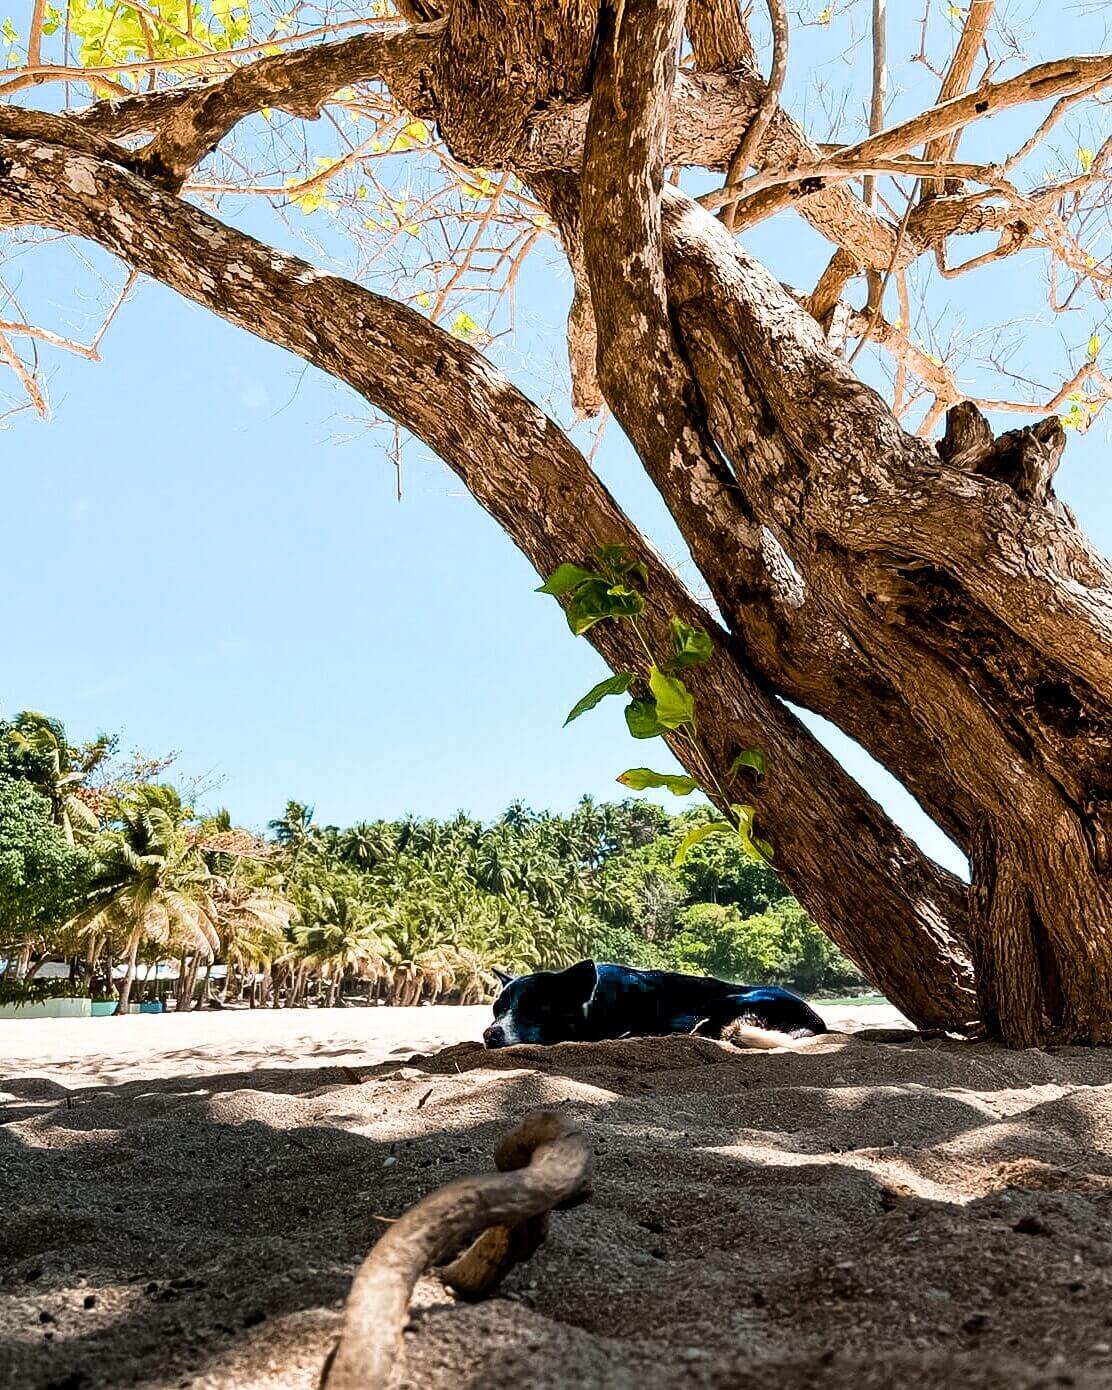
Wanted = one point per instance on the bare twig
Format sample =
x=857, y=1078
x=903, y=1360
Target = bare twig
x=544, y=1164
x=27, y=378
x=877, y=300
x=957, y=79
x=751, y=140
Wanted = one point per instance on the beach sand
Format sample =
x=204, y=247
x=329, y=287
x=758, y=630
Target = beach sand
x=184, y=1201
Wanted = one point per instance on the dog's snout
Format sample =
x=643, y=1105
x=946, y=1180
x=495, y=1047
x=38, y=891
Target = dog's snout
x=495, y=1036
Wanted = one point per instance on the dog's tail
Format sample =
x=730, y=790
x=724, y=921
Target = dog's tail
x=742, y=1032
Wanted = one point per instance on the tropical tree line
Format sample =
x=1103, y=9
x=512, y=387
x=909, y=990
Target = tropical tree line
x=105, y=864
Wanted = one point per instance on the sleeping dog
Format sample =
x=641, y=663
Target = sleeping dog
x=587, y=1002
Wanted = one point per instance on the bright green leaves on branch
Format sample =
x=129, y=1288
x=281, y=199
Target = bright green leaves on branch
x=690, y=645
x=699, y=833
x=604, y=591
x=608, y=587
x=675, y=705
x=751, y=758
x=596, y=600
x=613, y=685
x=754, y=845
x=641, y=719
x=564, y=579
x=642, y=779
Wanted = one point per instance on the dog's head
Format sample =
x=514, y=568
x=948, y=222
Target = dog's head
x=548, y=1007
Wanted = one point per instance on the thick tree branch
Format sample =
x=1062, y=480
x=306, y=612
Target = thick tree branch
x=978, y=530
x=526, y=473
x=719, y=36
x=299, y=82
x=650, y=388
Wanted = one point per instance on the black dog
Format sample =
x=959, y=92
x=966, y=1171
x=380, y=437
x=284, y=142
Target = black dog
x=587, y=1002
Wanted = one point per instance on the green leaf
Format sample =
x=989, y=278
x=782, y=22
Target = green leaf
x=674, y=703
x=752, y=758
x=641, y=719
x=595, y=599
x=1093, y=349
x=565, y=578
x=612, y=685
x=465, y=328
x=696, y=835
x=754, y=846
x=690, y=645
x=616, y=563
x=640, y=779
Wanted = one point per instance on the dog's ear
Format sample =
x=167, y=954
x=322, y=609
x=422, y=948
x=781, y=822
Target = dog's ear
x=581, y=980
x=502, y=978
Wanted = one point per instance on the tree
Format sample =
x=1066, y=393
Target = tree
x=334, y=935
x=42, y=874
x=934, y=600
x=150, y=883
x=37, y=749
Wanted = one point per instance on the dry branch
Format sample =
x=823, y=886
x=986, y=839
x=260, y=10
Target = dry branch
x=544, y=1165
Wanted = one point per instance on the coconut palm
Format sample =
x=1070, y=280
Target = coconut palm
x=294, y=829
x=151, y=884
x=335, y=936
x=56, y=767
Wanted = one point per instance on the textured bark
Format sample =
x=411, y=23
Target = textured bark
x=939, y=605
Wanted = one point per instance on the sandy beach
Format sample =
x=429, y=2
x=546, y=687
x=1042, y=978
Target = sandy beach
x=185, y=1201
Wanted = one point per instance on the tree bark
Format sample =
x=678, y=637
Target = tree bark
x=129, y=973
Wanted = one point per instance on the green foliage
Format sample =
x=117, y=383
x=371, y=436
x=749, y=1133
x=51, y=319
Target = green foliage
x=697, y=834
x=779, y=946
x=661, y=703
x=640, y=779
x=613, y=685
x=691, y=646
x=42, y=875
x=21, y=992
x=751, y=758
x=674, y=703
x=410, y=909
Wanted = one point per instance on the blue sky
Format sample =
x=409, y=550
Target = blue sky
x=203, y=549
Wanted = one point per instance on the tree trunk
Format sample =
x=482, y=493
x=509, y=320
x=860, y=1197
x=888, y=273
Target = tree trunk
x=188, y=983
x=129, y=974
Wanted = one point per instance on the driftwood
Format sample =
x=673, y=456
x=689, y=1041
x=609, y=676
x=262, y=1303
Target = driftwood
x=544, y=1165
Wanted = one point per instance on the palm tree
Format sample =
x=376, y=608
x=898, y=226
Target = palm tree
x=334, y=936
x=151, y=883
x=253, y=921
x=56, y=767
x=294, y=830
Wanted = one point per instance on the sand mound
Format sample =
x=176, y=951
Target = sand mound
x=858, y=1214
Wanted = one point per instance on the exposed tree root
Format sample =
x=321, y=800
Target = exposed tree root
x=544, y=1165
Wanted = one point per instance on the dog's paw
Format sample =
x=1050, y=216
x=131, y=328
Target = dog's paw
x=748, y=1031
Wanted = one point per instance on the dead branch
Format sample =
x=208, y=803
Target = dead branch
x=780, y=189
x=957, y=80
x=751, y=140
x=544, y=1165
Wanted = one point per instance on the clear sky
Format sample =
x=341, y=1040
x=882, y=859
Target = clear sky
x=202, y=547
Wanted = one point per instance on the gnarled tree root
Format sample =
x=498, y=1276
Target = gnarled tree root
x=544, y=1165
